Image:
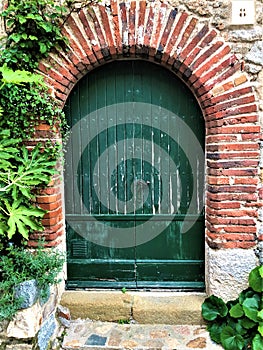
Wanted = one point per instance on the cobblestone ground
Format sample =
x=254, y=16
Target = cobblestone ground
x=86, y=334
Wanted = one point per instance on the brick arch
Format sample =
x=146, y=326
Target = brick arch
x=195, y=53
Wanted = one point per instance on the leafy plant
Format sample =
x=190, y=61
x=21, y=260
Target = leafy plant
x=238, y=324
x=20, y=172
x=26, y=102
x=33, y=28
x=20, y=265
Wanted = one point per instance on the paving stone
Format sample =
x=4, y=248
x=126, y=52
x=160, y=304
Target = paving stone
x=199, y=343
x=158, y=334
x=114, y=336
x=129, y=344
x=95, y=339
x=153, y=344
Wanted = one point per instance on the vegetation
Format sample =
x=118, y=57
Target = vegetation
x=33, y=29
x=238, y=324
x=17, y=266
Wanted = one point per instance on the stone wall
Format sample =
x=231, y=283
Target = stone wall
x=222, y=65
x=38, y=326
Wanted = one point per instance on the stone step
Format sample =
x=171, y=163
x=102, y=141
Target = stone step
x=172, y=308
x=91, y=335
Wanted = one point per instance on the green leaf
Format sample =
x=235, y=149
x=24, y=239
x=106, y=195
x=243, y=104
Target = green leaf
x=215, y=330
x=230, y=340
x=19, y=76
x=255, y=279
x=251, y=306
x=247, y=323
x=260, y=314
x=213, y=307
x=33, y=37
x=260, y=328
x=22, y=218
x=236, y=311
x=21, y=19
x=257, y=343
x=16, y=37
x=43, y=47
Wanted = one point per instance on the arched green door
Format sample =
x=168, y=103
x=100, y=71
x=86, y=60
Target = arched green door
x=134, y=180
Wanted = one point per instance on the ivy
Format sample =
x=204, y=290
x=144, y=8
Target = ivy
x=238, y=324
x=27, y=106
x=33, y=28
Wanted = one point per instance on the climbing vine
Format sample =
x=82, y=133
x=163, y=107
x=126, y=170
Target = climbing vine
x=33, y=29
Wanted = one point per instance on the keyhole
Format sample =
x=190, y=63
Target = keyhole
x=242, y=12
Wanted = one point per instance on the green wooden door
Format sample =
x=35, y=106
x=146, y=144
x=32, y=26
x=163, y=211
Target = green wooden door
x=134, y=180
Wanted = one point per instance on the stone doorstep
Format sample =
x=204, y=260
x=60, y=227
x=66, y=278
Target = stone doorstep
x=172, y=308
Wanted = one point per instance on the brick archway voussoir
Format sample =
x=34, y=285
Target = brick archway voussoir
x=157, y=32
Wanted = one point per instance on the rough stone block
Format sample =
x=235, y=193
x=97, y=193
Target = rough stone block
x=228, y=271
x=46, y=332
x=28, y=291
x=26, y=323
x=167, y=308
x=102, y=306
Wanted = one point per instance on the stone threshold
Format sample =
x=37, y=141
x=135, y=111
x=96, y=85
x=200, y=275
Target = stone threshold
x=143, y=307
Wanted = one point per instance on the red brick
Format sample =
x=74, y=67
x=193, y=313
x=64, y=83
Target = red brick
x=216, y=180
x=232, y=237
x=250, y=137
x=49, y=191
x=223, y=205
x=192, y=45
x=53, y=236
x=187, y=33
x=260, y=193
x=75, y=49
x=241, y=146
x=230, y=213
x=107, y=30
x=85, y=24
x=115, y=20
x=61, y=96
x=242, y=119
x=54, y=228
x=50, y=206
x=142, y=10
x=241, y=229
x=201, y=59
x=232, y=155
x=53, y=213
x=52, y=221
x=167, y=31
x=204, y=78
x=236, y=129
x=176, y=32
x=227, y=73
x=48, y=199
x=132, y=19
x=98, y=30
x=82, y=41
x=228, y=86
x=243, y=100
x=232, y=164
x=233, y=172
x=221, y=138
x=245, y=181
x=149, y=28
x=232, y=196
